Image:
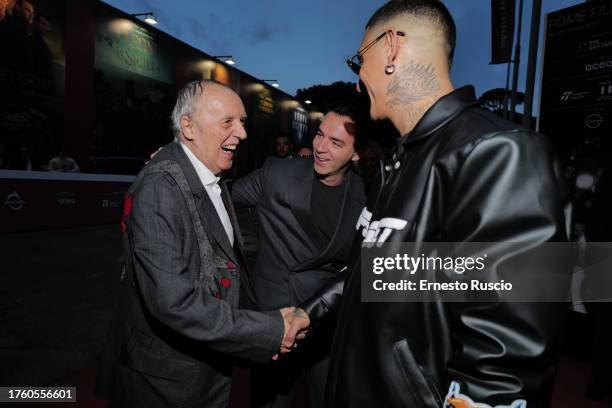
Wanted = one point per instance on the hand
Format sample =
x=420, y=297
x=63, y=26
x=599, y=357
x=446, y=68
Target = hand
x=299, y=321
x=285, y=312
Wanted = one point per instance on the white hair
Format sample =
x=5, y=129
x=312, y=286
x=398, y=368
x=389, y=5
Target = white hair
x=186, y=101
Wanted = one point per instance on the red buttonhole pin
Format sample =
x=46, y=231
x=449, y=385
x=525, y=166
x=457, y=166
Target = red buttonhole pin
x=226, y=283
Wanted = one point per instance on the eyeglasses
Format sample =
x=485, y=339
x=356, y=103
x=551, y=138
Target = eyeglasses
x=356, y=60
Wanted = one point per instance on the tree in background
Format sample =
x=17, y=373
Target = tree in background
x=322, y=96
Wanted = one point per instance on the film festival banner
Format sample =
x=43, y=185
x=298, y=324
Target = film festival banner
x=486, y=272
x=502, y=30
x=123, y=44
x=576, y=99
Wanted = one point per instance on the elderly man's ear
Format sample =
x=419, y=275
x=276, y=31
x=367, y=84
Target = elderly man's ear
x=187, y=127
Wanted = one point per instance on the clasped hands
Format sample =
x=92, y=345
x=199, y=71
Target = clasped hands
x=296, y=324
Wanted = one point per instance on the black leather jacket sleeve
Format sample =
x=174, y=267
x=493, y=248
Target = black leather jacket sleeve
x=505, y=351
x=326, y=301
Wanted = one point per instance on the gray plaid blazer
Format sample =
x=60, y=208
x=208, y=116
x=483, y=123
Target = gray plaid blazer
x=179, y=324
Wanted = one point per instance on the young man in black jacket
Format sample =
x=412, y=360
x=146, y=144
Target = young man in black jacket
x=459, y=174
x=307, y=209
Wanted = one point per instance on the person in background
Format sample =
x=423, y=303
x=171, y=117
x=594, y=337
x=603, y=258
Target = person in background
x=304, y=151
x=29, y=52
x=283, y=147
x=370, y=164
x=63, y=163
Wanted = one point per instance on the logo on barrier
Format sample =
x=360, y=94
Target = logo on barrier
x=573, y=96
x=111, y=203
x=593, y=121
x=65, y=199
x=605, y=92
x=598, y=66
x=14, y=201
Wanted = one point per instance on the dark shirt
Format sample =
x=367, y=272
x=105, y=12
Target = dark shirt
x=325, y=206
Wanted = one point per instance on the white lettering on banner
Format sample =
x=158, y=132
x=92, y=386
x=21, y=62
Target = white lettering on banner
x=598, y=66
x=299, y=122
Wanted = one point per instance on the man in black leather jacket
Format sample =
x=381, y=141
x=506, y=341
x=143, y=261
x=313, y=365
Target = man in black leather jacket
x=459, y=174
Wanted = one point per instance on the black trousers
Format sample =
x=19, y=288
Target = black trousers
x=601, y=314
x=273, y=384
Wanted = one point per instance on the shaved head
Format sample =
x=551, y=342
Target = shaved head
x=432, y=14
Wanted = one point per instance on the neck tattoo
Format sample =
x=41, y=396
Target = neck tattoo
x=412, y=90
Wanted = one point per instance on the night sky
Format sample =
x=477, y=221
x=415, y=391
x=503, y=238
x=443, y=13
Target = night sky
x=305, y=43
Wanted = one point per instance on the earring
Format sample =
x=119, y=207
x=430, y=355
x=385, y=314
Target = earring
x=389, y=69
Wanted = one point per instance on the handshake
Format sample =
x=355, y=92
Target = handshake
x=296, y=325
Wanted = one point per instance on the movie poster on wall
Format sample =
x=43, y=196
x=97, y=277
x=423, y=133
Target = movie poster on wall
x=134, y=91
x=130, y=47
x=32, y=78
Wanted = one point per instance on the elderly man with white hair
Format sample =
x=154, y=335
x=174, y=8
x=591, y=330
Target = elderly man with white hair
x=186, y=302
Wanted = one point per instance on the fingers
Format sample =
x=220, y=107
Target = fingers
x=296, y=322
x=288, y=336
